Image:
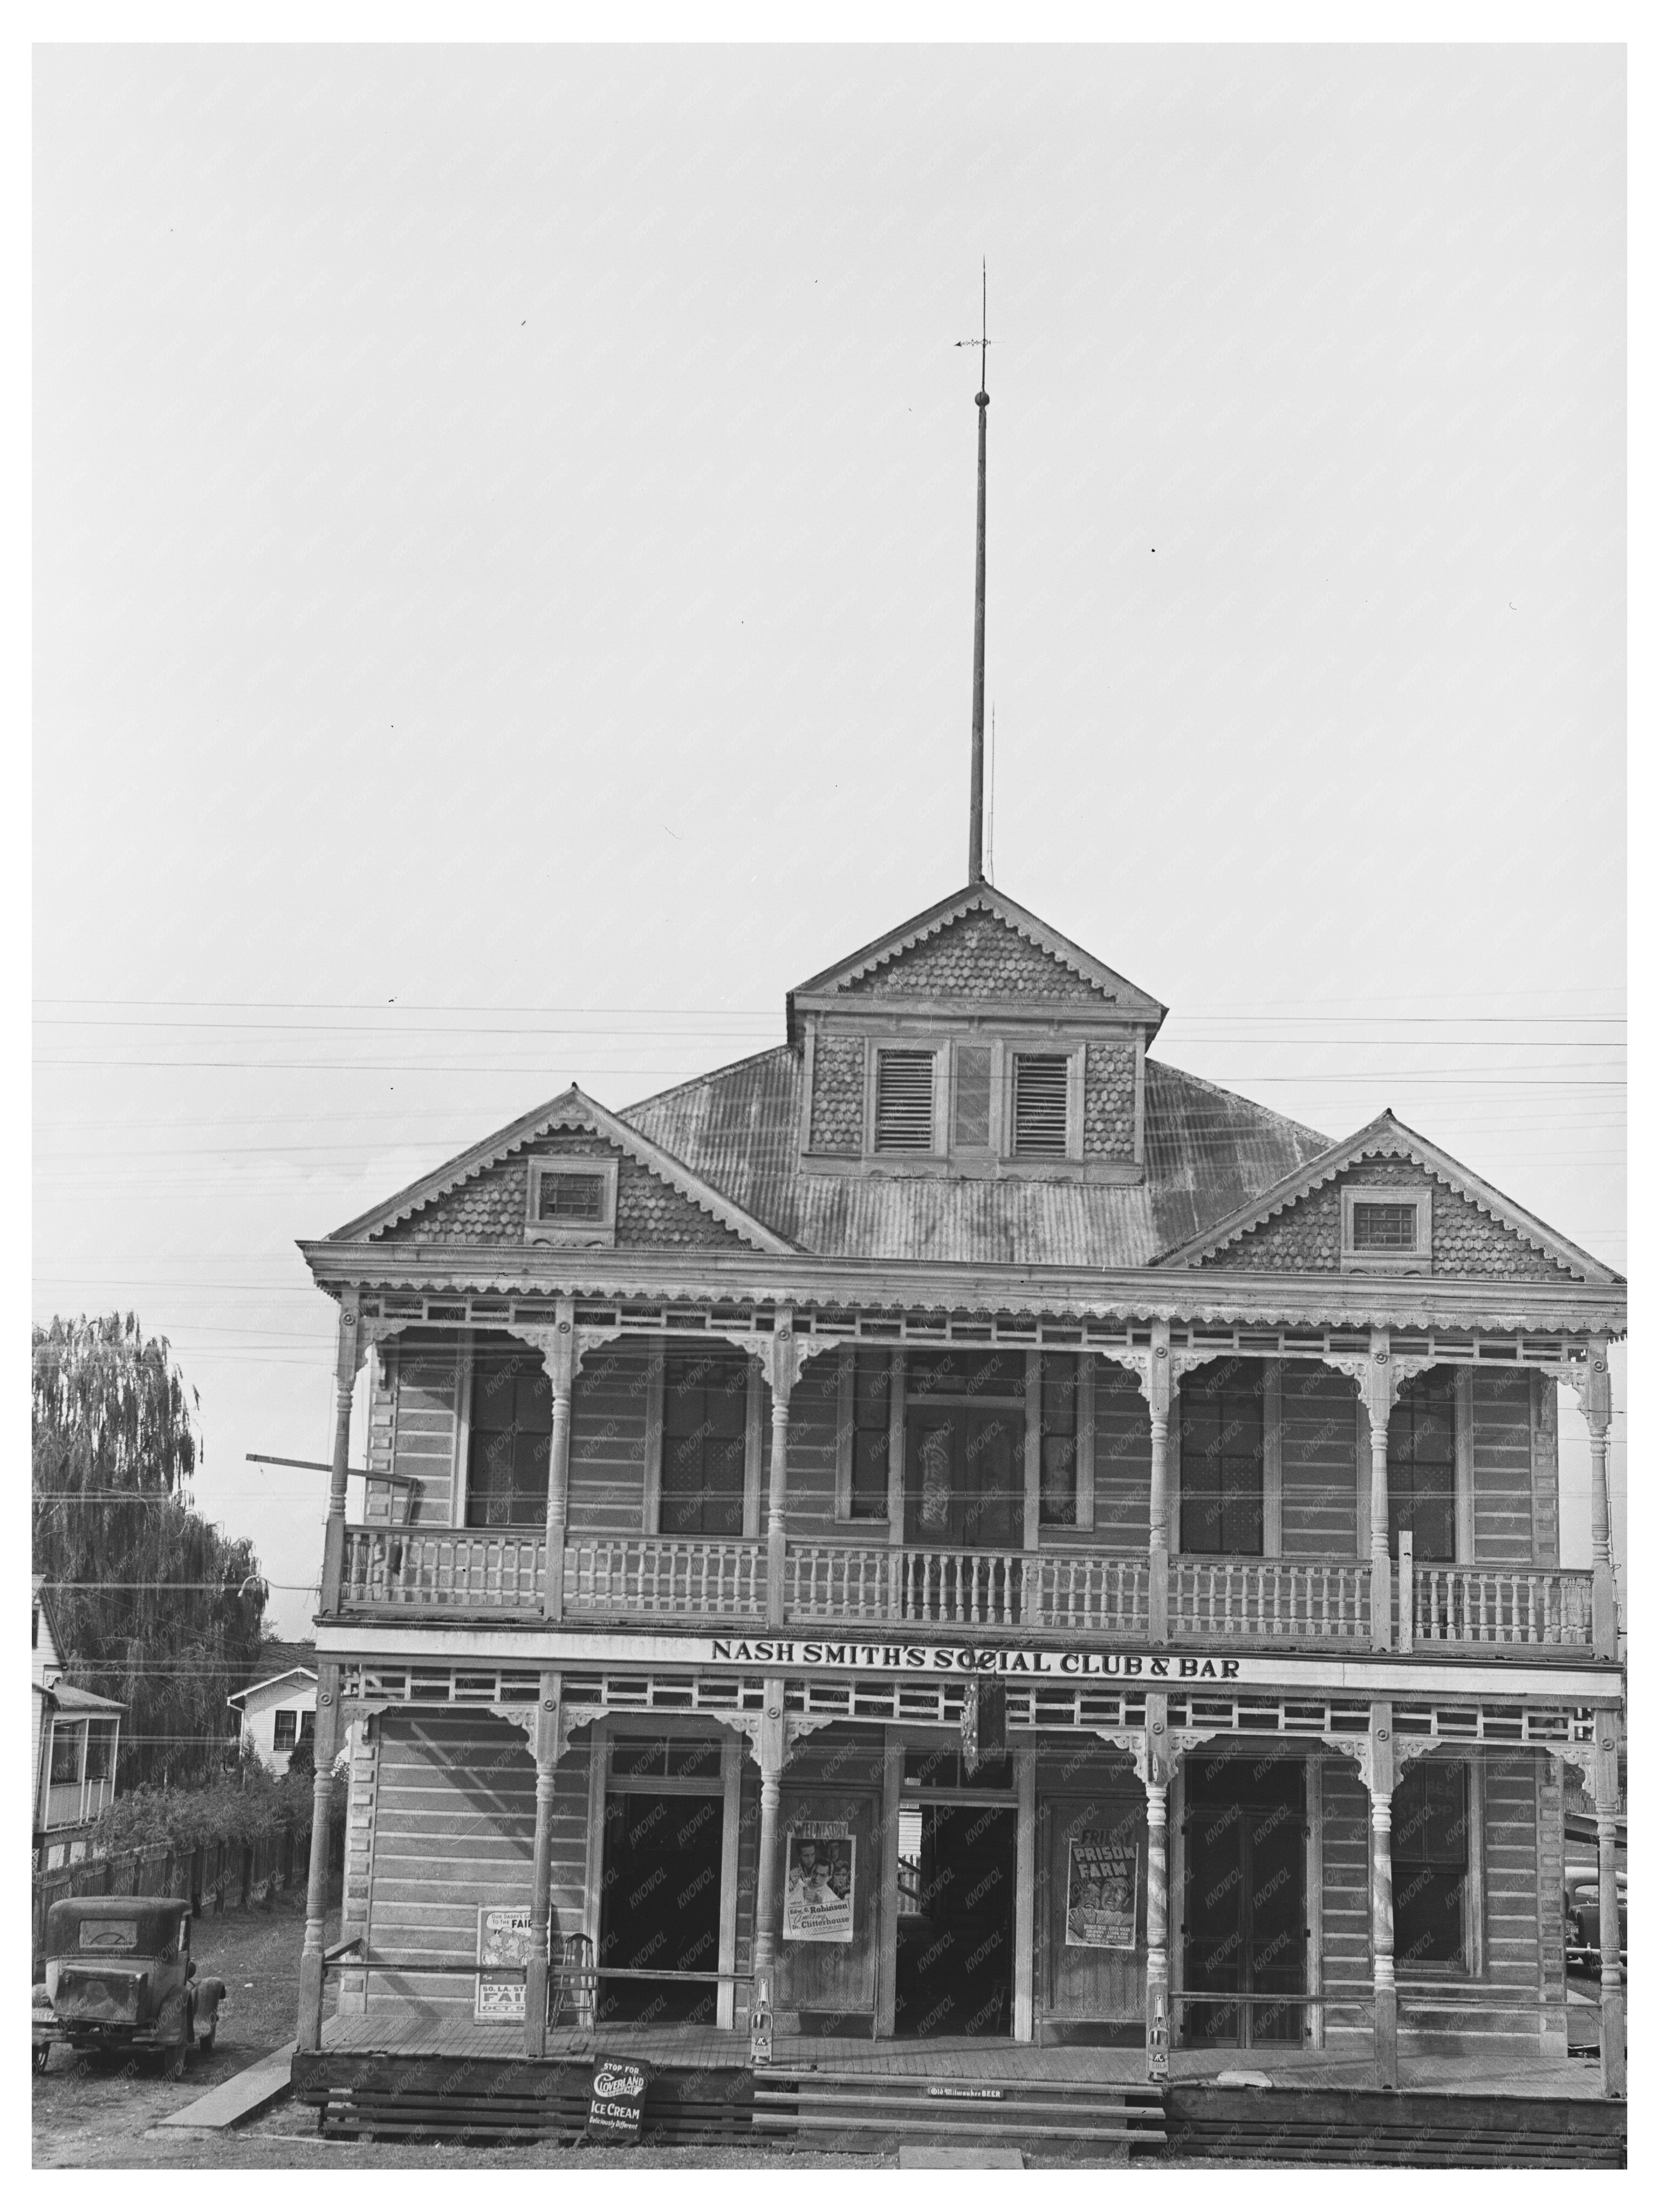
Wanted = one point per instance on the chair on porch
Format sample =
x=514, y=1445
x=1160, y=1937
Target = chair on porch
x=573, y=1981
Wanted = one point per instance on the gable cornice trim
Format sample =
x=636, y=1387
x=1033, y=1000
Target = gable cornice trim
x=1388, y=1139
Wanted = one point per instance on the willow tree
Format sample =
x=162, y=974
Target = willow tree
x=157, y=1609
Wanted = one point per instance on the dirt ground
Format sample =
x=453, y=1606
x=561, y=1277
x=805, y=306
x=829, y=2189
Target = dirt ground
x=88, y=2114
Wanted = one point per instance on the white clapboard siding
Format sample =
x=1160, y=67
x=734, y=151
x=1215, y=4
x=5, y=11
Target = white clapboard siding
x=454, y=1829
x=1316, y=1419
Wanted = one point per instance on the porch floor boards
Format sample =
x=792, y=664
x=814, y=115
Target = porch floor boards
x=425, y=2031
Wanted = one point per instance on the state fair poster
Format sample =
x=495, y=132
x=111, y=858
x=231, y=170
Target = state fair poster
x=818, y=1883
x=503, y=1940
x=1101, y=1892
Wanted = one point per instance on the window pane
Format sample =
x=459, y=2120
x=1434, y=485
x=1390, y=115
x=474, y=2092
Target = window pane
x=1057, y=1497
x=67, y=1747
x=639, y=1755
x=904, y=1101
x=571, y=1197
x=870, y=1474
x=100, y=1751
x=872, y=1379
x=973, y=1125
x=282, y=1730
x=1384, y=1228
x=1040, y=1103
x=693, y=1758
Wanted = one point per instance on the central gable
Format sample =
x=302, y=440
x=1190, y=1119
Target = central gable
x=981, y=945
x=979, y=955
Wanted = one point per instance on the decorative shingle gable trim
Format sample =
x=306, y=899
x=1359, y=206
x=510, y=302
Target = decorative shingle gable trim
x=572, y=1109
x=1387, y=1137
x=1113, y=989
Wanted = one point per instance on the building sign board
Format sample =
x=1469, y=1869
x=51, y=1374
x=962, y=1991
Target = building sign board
x=820, y=1857
x=1103, y=1891
x=503, y=1942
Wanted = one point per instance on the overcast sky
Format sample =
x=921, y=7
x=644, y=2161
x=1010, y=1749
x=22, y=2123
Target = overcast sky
x=503, y=602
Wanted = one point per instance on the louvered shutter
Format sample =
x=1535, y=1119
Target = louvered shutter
x=1040, y=1088
x=904, y=1101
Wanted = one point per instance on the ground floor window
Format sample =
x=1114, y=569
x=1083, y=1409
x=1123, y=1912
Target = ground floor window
x=1430, y=1847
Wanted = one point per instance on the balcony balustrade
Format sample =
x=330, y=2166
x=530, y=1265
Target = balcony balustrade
x=1244, y=1604
x=1483, y=1607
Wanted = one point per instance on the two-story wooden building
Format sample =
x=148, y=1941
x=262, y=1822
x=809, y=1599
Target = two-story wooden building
x=952, y=1527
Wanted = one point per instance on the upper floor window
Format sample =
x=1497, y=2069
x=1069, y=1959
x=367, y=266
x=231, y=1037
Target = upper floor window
x=571, y=1200
x=509, y=1438
x=904, y=1101
x=873, y=1398
x=1386, y=1229
x=705, y=1399
x=1057, y=1491
x=1423, y=1467
x=1042, y=1087
x=100, y=1750
x=1222, y=1459
x=69, y=1749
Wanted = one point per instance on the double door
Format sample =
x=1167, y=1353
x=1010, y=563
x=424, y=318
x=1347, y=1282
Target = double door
x=964, y=1486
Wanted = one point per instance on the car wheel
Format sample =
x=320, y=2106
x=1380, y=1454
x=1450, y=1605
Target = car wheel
x=41, y=2056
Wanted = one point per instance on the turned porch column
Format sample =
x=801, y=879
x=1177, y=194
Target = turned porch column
x=345, y=1378
x=1379, y=1781
x=325, y=1745
x=783, y=1367
x=769, y=1885
x=1379, y=1392
x=1595, y=1395
x=1157, y=1888
x=1156, y=1382
x=546, y=1744
x=560, y=1356
x=1609, y=1932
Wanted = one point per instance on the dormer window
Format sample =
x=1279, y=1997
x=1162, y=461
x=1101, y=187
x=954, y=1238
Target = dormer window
x=1042, y=1087
x=1386, y=1230
x=572, y=1202
x=904, y=1101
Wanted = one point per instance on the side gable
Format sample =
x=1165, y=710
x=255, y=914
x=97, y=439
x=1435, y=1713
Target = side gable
x=1296, y=1227
x=482, y=1196
x=490, y=1206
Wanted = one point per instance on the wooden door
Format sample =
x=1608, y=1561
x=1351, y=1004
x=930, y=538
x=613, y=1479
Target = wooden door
x=965, y=1478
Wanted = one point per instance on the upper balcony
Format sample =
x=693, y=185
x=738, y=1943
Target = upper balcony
x=1211, y=1602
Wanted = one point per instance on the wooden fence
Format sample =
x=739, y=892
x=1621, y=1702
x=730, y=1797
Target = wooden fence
x=215, y=1877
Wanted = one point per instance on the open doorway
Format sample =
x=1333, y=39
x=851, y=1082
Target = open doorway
x=659, y=1913
x=954, y=1969
x=1246, y=1901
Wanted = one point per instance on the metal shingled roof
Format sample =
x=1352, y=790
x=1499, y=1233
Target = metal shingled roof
x=1208, y=1151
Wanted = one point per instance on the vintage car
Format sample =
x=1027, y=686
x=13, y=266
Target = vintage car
x=119, y=1979
x=1582, y=1906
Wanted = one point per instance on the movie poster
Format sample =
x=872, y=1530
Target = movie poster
x=503, y=1940
x=817, y=1884
x=1101, y=1892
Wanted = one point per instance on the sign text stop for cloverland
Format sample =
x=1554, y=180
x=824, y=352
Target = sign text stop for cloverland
x=966, y=1659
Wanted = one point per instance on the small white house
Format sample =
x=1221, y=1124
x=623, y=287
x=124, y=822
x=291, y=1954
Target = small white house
x=277, y=1715
x=75, y=1737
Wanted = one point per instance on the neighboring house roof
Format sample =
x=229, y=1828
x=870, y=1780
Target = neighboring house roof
x=40, y=1595
x=1208, y=1150
x=239, y=1698
x=571, y=1109
x=275, y=1654
x=69, y=1699
x=1386, y=1138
